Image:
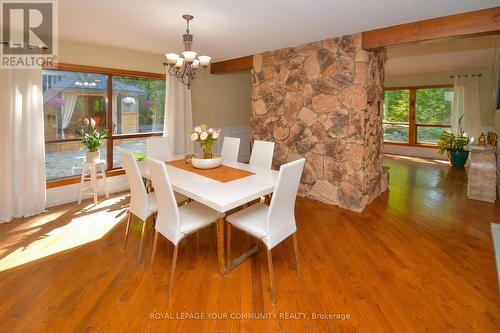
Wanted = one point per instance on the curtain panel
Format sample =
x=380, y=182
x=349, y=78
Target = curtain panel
x=466, y=103
x=22, y=162
x=178, y=121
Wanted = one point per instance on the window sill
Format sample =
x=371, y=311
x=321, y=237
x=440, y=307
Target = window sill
x=420, y=145
x=76, y=179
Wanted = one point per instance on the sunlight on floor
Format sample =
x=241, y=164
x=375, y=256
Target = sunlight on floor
x=88, y=224
x=418, y=159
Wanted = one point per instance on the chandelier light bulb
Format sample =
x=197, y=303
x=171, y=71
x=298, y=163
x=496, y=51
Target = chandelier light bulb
x=204, y=60
x=195, y=63
x=189, y=56
x=179, y=62
x=171, y=58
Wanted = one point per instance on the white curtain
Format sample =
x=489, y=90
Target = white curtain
x=67, y=111
x=466, y=102
x=178, y=116
x=22, y=148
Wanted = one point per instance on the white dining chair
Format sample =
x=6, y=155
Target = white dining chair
x=142, y=204
x=262, y=154
x=158, y=148
x=274, y=223
x=174, y=222
x=230, y=149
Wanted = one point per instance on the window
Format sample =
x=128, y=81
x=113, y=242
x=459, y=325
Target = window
x=417, y=115
x=136, y=112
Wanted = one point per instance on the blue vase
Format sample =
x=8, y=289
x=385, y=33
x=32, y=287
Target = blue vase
x=458, y=157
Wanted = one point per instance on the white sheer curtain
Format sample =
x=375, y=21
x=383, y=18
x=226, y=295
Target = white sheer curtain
x=178, y=116
x=466, y=102
x=67, y=111
x=22, y=149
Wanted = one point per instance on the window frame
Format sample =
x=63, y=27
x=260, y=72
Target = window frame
x=109, y=72
x=412, y=124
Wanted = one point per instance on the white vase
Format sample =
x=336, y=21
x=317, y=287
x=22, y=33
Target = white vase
x=206, y=163
x=93, y=156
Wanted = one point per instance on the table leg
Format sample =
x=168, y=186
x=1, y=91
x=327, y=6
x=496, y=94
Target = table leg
x=220, y=246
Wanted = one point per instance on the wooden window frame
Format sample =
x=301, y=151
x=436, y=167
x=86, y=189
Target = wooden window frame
x=412, y=124
x=109, y=72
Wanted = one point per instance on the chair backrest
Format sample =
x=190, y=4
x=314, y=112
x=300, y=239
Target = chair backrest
x=262, y=154
x=167, y=220
x=281, y=215
x=230, y=149
x=495, y=234
x=138, y=195
x=158, y=148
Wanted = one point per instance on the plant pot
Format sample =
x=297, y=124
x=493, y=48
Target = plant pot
x=93, y=156
x=206, y=163
x=458, y=157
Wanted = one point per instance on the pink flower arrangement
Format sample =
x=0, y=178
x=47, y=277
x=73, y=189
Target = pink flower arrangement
x=148, y=104
x=56, y=101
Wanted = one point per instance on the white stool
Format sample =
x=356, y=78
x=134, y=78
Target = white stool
x=96, y=171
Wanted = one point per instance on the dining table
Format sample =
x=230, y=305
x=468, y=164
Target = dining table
x=222, y=196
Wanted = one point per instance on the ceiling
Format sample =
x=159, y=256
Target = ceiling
x=227, y=29
x=442, y=56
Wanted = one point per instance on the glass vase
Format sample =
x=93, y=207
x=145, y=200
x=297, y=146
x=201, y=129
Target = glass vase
x=207, y=151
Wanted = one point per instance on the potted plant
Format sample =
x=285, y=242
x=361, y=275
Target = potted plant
x=206, y=137
x=455, y=146
x=91, y=138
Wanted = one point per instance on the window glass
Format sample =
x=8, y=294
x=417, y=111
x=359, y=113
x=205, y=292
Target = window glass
x=136, y=145
x=397, y=105
x=395, y=132
x=433, y=105
x=138, y=104
x=429, y=135
x=69, y=97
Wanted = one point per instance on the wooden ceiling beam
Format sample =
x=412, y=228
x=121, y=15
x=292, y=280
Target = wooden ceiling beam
x=232, y=65
x=481, y=22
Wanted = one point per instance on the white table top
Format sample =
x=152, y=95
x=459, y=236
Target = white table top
x=217, y=195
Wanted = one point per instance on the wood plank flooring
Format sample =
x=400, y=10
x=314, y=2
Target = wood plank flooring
x=419, y=258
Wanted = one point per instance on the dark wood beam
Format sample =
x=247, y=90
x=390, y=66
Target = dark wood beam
x=481, y=22
x=232, y=65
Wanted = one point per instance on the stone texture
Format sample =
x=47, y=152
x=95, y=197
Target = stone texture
x=323, y=101
x=482, y=176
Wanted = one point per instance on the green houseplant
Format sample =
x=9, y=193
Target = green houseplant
x=455, y=146
x=91, y=139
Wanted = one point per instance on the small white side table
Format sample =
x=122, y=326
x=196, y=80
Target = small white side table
x=93, y=172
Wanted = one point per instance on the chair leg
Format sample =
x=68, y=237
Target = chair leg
x=228, y=250
x=155, y=244
x=271, y=275
x=142, y=241
x=296, y=249
x=172, y=271
x=129, y=217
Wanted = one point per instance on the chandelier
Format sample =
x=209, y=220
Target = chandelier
x=186, y=66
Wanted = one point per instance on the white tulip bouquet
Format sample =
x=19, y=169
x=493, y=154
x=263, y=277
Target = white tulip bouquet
x=206, y=137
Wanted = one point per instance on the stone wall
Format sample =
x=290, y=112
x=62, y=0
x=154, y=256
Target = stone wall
x=323, y=101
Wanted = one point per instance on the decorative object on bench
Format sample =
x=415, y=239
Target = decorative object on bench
x=92, y=138
x=206, y=137
x=481, y=140
x=492, y=138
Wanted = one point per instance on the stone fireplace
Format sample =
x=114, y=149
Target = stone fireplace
x=324, y=101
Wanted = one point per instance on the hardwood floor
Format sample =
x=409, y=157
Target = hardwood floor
x=420, y=258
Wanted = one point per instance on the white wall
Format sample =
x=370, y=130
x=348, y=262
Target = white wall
x=413, y=151
x=222, y=100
